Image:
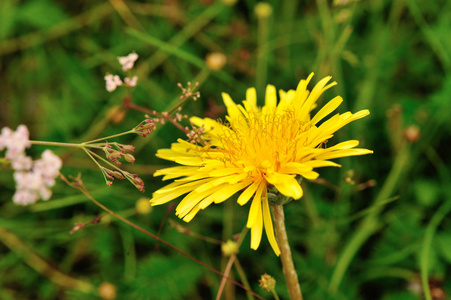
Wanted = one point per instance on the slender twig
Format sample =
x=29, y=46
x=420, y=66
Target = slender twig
x=109, y=137
x=291, y=277
x=242, y=275
x=226, y=272
x=128, y=104
x=57, y=144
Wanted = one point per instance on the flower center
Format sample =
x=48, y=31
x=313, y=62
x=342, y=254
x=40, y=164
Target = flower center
x=264, y=141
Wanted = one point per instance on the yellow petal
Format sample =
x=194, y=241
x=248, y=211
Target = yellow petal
x=223, y=194
x=344, y=153
x=321, y=163
x=247, y=194
x=269, y=228
x=193, y=199
x=232, y=109
x=256, y=229
x=191, y=214
x=327, y=109
x=285, y=184
x=172, y=195
x=270, y=97
x=251, y=97
x=255, y=206
x=225, y=171
x=295, y=168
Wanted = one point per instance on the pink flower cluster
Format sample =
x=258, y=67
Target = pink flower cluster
x=33, y=178
x=127, y=63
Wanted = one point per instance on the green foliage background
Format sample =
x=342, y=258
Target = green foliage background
x=351, y=240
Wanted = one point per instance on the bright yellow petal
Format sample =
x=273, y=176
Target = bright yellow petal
x=191, y=214
x=232, y=109
x=270, y=97
x=255, y=206
x=327, y=109
x=269, y=228
x=251, y=97
x=285, y=184
x=321, y=163
x=248, y=193
x=344, y=153
x=257, y=229
x=193, y=199
x=223, y=194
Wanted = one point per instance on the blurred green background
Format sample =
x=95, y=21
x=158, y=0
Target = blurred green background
x=369, y=230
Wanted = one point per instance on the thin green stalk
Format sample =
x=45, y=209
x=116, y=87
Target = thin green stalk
x=262, y=53
x=291, y=277
x=274, y=293
x=438, y=217
x=243, y=278
x=109, y=137
x=57, y=144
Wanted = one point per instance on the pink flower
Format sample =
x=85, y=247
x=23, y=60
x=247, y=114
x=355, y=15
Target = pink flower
x=25, y=197
x=128, y=61
x=112, y=82
x=22, y=163
x=15, y=142
x=131, y=82
x=33, y=179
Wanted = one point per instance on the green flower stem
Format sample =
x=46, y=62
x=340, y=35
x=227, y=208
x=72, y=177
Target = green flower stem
x=243, y=278
x=291, y=277
x=274, y=293
x=262, y=53
x=108, y=137
x=56, y=144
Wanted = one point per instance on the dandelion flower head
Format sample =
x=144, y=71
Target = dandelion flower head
x=254, y=150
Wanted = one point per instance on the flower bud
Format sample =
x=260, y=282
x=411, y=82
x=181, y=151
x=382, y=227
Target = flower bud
x=267, y=282
x=229, y=248
x=130, y=158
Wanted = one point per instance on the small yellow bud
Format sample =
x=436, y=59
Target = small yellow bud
x=267, y=282
x=107, y=291
x=143, y=206
x=215, y=61
x=263, y=10
x=229, y=248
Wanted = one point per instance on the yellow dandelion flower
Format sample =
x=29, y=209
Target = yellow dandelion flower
x=256, y=149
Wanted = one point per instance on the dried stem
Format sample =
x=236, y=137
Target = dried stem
x=291, y=277
x=129, y=105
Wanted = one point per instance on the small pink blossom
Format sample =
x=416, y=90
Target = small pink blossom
x=15, y=142
x=128, y=61
x=25, y=197
x=33, y=179
x=22, y=163
x=112, y=82
x=131, y=82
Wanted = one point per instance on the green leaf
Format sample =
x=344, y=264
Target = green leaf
x=164, y=278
